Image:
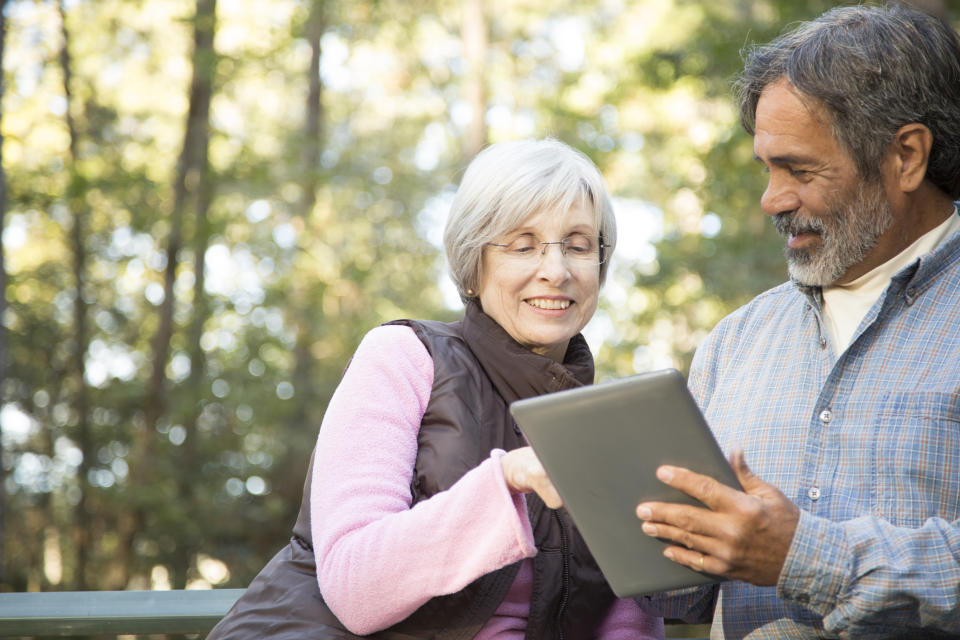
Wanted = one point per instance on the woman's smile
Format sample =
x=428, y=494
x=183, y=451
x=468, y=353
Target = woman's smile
x=549, y=303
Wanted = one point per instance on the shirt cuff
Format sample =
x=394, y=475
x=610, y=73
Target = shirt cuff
x=817, y=564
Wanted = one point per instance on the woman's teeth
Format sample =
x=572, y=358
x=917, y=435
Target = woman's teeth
x=544, y=303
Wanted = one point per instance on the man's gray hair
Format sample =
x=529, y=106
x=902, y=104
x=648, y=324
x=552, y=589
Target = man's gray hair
x=507, y=183
x=874, y=69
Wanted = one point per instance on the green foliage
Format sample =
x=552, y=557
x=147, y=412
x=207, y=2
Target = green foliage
x=643, y=87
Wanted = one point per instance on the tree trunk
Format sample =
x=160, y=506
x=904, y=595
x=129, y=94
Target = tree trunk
x=191, y=170
x=190, y=537
x=79, y=214
x=314, y=109
x=474, y=34
x=310, y=171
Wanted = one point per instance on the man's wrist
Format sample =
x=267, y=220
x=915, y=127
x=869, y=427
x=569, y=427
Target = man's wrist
x=816, y=566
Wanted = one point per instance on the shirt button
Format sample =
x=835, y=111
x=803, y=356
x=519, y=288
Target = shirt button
x=826, y=415
x=814, y=493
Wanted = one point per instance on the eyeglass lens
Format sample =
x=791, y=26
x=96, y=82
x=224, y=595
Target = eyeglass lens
x=577, y=247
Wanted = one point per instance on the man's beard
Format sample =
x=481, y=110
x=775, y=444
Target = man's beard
x=848, y=230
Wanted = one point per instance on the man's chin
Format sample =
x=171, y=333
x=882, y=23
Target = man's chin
x=809, y=274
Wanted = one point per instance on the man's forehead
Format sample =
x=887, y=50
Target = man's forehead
x=783, y=94
x=792, y=127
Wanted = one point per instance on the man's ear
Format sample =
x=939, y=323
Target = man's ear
x=910, y=151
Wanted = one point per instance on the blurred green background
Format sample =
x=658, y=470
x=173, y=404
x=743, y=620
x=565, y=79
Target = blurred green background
x=207, y=204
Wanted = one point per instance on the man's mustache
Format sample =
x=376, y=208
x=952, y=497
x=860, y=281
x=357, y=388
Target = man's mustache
x=790, y=223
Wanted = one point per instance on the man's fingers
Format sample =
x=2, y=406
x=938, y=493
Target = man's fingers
x=702, y=562
x=704, y=553
x=710, y=492
x=678, y=515
x=680, y=536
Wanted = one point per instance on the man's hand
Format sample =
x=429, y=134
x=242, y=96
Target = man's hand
x=744, y=535
x=524, y=473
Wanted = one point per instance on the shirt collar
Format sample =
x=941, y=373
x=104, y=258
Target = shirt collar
x=919, y=273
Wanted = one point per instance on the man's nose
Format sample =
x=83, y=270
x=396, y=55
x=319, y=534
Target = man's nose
x=779, y=197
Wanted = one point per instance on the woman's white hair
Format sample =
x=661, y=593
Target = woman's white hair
x=508, y=182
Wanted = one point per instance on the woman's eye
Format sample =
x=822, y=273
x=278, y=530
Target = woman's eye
x=523, y=245
x=579, y=244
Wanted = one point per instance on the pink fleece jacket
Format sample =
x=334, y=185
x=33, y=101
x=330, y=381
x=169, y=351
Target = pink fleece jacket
x=378, y=559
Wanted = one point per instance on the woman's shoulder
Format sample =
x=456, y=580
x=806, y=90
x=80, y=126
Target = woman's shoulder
x=393, y=347
x=430, y=328
x=436, y=336
x=387, y=336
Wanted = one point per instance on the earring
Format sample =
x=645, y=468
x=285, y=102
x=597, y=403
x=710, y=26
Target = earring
x=471, y=293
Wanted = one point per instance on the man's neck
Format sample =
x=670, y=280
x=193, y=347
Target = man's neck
x=915, y=214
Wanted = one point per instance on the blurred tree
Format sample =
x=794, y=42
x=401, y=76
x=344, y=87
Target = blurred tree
x=78, y=212
x=475, y=43
x=3, y=299
x=201, y=92
x=171, y=351
x=304, y=295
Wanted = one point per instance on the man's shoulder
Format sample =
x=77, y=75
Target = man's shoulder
x=760, y=324
x=772, y=302
x=777, y=311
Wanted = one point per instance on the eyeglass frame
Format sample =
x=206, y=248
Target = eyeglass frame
x=563, y=247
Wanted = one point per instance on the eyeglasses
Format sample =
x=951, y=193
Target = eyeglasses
x=579, y=249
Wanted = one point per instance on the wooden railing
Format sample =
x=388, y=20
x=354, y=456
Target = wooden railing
x=74, y=613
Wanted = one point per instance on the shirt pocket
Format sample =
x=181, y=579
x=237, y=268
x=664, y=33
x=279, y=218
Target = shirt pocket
x=917, y=457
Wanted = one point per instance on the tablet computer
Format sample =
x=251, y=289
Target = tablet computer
x=601, y=446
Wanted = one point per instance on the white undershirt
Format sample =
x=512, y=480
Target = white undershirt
x=845, y=305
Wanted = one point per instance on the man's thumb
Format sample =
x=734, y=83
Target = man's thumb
x=744, y=475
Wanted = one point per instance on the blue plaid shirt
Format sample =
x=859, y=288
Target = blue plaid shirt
x=868, y=447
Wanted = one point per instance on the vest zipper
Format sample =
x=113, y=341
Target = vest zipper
x=565, y=585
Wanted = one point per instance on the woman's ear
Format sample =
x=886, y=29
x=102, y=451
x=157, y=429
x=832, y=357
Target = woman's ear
x=910, y=151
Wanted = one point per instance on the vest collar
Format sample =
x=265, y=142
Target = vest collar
x=514, y=370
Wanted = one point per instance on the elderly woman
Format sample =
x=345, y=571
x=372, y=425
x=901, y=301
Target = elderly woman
x=424, y=515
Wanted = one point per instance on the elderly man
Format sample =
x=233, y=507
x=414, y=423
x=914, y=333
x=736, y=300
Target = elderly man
x=843, y=385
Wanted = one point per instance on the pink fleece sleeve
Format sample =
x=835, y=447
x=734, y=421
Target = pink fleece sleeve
x=378, y=560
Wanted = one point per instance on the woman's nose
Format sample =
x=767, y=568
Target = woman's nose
x=553, y=261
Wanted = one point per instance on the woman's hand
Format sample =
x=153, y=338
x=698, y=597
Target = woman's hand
x=524, y=474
